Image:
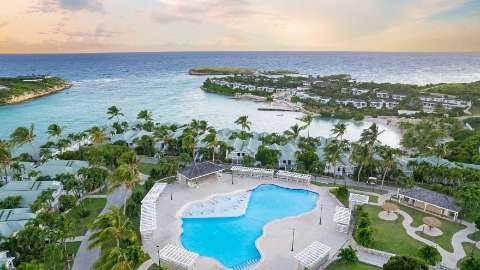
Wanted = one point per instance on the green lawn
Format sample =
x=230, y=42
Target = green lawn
x=145, y=168
x=475, y=236
x=448, y=228
x=390, y=236
x=469, y=250
x=340, y=183
x=359, y=266
x=344, y=200
x=95, y=206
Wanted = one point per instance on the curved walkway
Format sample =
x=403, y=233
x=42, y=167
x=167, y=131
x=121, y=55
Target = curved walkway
x=449, y=259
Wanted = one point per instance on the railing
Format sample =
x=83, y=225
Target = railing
x=247, y=265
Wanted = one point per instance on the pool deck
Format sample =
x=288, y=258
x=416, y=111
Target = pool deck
x=275, y=243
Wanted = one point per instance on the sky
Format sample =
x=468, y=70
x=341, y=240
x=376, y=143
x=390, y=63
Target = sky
x=62, y=26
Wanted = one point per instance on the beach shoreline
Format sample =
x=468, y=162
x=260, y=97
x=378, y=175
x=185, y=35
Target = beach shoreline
x=34, y=95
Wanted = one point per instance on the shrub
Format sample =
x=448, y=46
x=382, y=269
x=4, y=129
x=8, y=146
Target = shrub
x=66, y=202
x=364, y=236
x=470, y=263
x=404, y=263
x=430, y=255
x=348, y=255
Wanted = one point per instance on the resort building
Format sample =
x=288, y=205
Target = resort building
x=5, y=261
x=407, y=164
x=358, y=92
x=429, y=201
x=377, y=104
x=398, y=97
x=242, y=148
x=288, y=155
x=382, y=94
x=9, y=174
x=130, y=136
x=30, y=190
x=191, y=175
x=14, y=220
x=52, y=167
x=391, y=104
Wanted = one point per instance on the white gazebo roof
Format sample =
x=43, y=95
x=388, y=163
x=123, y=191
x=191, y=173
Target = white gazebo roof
x=294, y=175
x=252, y=170
x=312, y=254
x=154, y=193
x=342, y=215
x=148, y=212
x=178, y=256
x=358, y=198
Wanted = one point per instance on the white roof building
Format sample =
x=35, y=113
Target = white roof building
x=342, y=217
x=357, y=199
x=148, y=214
x=177, y=258
x=313, y=256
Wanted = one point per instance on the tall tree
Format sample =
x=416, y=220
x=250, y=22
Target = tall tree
x=145, y=115
x=189, y=142
x=243, y=122
x=307, y=121
x=212, y=141
x=124, y=175
x=54, y=130
x=120, y=258
x=112, y=226
x=333, y=152
x=339, y=130
x=22, y=135
x=114, y=112
x=388, y=155
x=293, y=132
x=5, y=157
x=97, y=135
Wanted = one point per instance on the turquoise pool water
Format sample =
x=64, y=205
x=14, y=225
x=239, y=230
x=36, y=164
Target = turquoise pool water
x=231, y=241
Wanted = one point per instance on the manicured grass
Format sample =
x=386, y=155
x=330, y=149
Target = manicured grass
x=390, y=236
x=358, y=266
x=340, y=183
x=448, y=228
x=95, y=206
x=470, y=249
x=145, y=168
x=344, y=200
x=475, y=236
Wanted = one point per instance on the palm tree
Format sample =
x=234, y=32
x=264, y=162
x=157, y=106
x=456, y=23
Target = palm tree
x=22, y=135
x=307, y=120
x=212, y=141
x=339, y=130
x=145, y=115
x=189, y=142
x=114, y=111
x=97, y=135
x=294, y=131
x=388, y=156
x=120, y=258
x=124, y=176
x=112, y=226
x=17, y=170
x=243, y=122
x=54, y=130
x=333, y=153
x=5, y=156
x=365, y=148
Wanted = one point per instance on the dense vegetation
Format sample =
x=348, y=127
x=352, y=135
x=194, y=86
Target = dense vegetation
x=220, y=71
x=18, y=86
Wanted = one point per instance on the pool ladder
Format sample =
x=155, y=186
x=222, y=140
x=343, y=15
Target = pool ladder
x=247, y=265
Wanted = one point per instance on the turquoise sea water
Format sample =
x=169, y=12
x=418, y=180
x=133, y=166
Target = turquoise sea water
x=159, y=82
x=231, y=241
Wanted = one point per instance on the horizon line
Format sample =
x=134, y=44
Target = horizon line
x=242, y=51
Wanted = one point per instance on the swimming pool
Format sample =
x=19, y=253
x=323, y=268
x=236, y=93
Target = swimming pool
x=231, y=240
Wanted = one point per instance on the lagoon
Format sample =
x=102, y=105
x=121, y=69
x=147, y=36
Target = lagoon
x=159, y=82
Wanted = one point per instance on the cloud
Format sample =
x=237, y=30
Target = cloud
x=68, y=5
x=100, y=32
x=3, y=24
x=196, y=11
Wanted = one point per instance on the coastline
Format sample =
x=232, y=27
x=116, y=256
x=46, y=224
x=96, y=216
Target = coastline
x=34, y=95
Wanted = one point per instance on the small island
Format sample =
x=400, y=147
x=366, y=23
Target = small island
x=18, y=89
x=221, y=71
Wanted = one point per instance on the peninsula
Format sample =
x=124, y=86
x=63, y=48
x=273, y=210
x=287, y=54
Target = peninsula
x=22, y=88
x=221, y=71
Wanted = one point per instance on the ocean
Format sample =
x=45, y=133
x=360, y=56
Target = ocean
x=159, y=82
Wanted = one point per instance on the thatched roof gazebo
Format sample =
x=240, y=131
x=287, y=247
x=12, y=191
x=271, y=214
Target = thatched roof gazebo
x=432, y=222
x=390, y=207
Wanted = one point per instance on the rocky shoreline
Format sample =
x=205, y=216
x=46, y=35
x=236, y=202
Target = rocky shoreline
x=33, y=95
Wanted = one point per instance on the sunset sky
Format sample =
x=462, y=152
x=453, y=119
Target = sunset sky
x=49, y=26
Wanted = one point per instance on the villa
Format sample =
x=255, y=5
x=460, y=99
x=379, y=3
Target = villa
x=5, y=261
x=14, y=220
x=382, y=94
x=52, y=167
x=398, y=97
x=391, y=104
x=30, y=190
x=358, y=92
x=242, y=148
x=378, y=104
